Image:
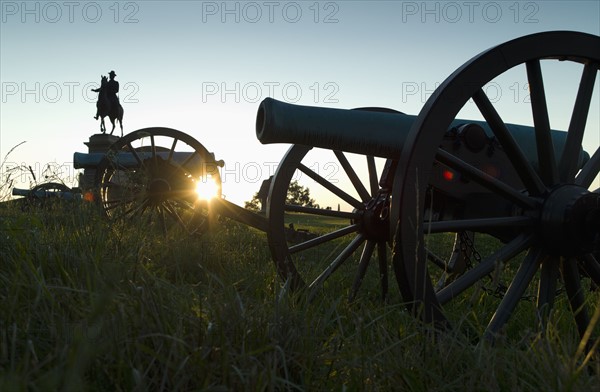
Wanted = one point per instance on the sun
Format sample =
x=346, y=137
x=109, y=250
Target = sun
x=207, y=188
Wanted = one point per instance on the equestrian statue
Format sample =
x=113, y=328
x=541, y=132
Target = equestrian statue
x=108, y=102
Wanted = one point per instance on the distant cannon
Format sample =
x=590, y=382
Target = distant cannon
x=167, y=177
x=42, y=193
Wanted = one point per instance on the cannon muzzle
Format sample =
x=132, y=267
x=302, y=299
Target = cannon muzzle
x=369, y=132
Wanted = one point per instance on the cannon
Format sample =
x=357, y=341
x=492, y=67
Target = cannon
x=420, y=193
x=164, y=177
x=42, y=193
x=527, y=193
x=468, y=140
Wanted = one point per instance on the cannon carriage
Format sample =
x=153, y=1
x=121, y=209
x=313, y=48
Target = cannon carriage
x=526, y=191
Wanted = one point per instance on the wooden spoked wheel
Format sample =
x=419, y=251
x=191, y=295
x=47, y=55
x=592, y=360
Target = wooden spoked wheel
x=544, y=231
x=161, y=178
x=310, y=243
x=334, y=245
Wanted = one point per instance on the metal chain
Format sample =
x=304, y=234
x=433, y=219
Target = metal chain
x=467, y=248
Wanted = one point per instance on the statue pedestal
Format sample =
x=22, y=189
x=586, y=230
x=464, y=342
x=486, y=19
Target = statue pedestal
x=99, y=142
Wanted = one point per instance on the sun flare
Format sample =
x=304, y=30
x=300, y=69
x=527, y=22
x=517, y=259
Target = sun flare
x=207, y=188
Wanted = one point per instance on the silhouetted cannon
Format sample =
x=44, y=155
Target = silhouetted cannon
x=383, y=132
x=44, y=192
x=528, y=194
x=165, y=176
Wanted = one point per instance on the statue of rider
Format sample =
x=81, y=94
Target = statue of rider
x=112, y=88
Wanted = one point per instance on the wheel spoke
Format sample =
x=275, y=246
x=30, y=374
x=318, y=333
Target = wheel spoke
x=172, y=212
x=570, y=158
x=591, y=267
x=324, y=238
x=462, y=250
x=116, y=203
x=549, y=273
x=320, y=211
x=570, y=273
x=135, y=155
x=373, y=179
x=485, y=267
x=476, y=224
x=358, y=185
x=161, y=214
x=153, y=150
x=109, y=184
x=318, y=282
x=383, y=268
x=329, y=186
x=526, y=172
x=172, y=150
x=365, y=257
x=438, y=261
x=485, y=179
x=589, y=171
x=134, y=209
x=515, y=291
x=148, y=216
x=545, y=147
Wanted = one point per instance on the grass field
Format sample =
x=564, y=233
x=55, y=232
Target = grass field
x=90, y=306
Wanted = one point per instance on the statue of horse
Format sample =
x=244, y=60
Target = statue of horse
x=108, y=107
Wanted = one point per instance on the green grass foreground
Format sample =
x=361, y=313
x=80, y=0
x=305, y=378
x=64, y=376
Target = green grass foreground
x=89, y=306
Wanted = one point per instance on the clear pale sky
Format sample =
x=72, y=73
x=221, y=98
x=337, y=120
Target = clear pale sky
x=203, y=67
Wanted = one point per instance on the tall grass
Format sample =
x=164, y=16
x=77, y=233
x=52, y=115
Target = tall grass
x=85, y=305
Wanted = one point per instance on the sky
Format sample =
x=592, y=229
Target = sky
x=203, y=67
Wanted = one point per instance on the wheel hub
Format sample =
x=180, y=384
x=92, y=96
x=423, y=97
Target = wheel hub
x=375, y=218
x=570, y=221
x=158, y=189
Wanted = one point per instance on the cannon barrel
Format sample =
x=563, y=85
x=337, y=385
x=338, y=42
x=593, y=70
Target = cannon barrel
x=129, y=160
x=42, y=194
x=378, y=133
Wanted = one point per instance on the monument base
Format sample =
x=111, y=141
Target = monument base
x=99, y=142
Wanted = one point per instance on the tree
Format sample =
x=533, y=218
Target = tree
x=297, y=194
x=253, y=204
